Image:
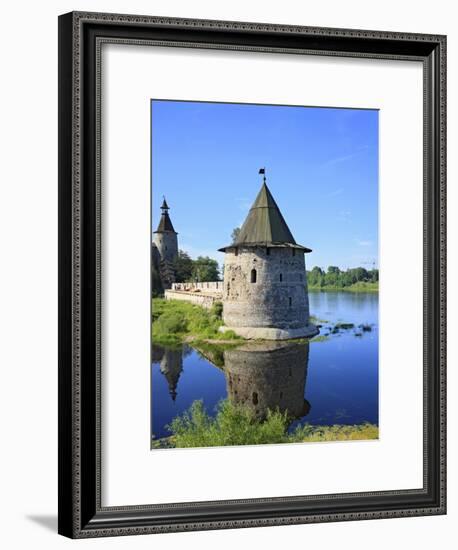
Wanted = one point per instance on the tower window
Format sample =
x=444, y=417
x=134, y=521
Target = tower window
x=268, y=251
x=281, y=277
x=294, y=251
x=253, y=275
x=290, y=301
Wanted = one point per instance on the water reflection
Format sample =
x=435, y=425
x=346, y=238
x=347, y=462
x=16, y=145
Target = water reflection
x=338, y=375
x=260, y=376
x=171, y=364
x=268, y=375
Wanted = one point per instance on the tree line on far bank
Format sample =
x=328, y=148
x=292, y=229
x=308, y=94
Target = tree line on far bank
x=334, y=277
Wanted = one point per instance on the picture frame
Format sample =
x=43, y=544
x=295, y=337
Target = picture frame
x=81, y=511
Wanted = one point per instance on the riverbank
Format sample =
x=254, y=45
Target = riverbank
x=177, y=322
x=235, y=425
x=360, y=286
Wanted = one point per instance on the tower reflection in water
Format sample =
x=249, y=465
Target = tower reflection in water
x=268, y=375
x=171, y=364
x=259, y=375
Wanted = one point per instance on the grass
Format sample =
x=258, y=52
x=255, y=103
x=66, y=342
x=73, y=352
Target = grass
x=236, y=425
x=360, y=286
x=175, y=321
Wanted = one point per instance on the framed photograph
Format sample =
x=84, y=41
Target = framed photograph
x=252, y=298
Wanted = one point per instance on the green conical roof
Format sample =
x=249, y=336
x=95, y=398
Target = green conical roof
x=265, y=225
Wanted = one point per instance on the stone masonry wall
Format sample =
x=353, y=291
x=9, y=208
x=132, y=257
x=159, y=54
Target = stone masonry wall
x=167, y=245
x=204, y=300
x=216, y=286
x=278, y=297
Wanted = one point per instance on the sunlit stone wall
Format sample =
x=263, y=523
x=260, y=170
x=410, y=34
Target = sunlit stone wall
x=265, y=287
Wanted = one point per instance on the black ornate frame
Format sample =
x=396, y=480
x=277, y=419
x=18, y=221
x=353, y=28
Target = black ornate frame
x=80, y=38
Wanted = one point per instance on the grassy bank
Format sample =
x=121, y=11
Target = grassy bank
x=236, y=425
x=360, y=286
x=176, y=321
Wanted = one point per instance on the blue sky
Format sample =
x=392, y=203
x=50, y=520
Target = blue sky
x=321, y=166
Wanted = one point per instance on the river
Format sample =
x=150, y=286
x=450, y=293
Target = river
x=333, y=380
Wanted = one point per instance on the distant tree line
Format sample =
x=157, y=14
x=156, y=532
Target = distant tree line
x=203, y=269
x=318, y=277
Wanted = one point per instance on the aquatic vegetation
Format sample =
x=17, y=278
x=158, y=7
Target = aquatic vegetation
x=317, y=320
x=320, y=338
x=365, y=328
x=236, y=425
x=344, y=326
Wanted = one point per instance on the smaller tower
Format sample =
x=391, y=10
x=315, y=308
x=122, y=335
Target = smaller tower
x=165, y=241
x=165, y=236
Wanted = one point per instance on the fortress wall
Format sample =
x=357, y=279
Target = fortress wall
x=279, y=296
x=207, y=287
x=203, y=300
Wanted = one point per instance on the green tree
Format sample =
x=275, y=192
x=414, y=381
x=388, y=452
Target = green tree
x=205, y=269
x=235, y=234
x=332, y=277
x=314, y=277
x=373, y=274
x=183, y=267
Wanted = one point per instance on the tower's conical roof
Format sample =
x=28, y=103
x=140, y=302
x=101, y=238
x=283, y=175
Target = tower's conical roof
x=265, y=225
x=165, y=223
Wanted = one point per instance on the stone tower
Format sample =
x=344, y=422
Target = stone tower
x=165, y=248
x=265, y=283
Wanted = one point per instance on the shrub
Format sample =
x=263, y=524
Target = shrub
x=217, y=310
x=236, y=425
x=232, y=425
